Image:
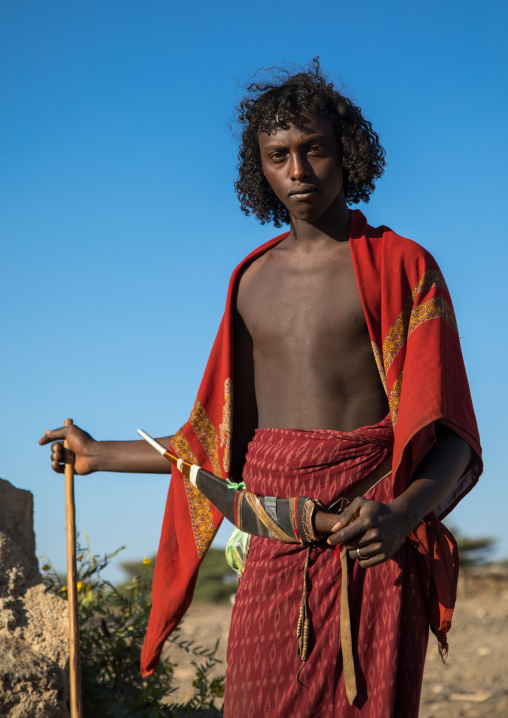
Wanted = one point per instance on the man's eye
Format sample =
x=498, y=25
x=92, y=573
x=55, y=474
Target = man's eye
x=316, y=148
x=277, y=156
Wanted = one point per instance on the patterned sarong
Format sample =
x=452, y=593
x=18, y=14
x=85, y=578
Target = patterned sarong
x=388, y=613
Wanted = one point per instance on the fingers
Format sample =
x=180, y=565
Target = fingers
x=366, y=560
x=349, y=524
x=374, y=532
x=59, y=457
x=350, y=513
x=52, y=434
x=357, y=534
x=369, y=531
x=78, y=443
x=367, y=555
x=59, y=468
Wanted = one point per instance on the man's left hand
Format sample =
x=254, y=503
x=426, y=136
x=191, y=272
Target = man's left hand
x=377, y=530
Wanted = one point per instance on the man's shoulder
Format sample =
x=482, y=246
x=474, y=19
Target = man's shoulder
x=256, y=254
x=397, y=248
x=263, y=248
x=250, y=258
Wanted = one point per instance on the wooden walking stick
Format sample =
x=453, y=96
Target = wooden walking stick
x=72, y=590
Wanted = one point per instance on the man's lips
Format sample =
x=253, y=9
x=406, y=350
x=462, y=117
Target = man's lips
x=307, y=189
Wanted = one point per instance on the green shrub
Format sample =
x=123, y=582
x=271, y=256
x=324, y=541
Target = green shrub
x=473, y=551
x=216, y=581
x=113, y=626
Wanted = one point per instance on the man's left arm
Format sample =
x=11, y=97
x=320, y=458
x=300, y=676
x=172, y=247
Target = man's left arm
x=379, y=529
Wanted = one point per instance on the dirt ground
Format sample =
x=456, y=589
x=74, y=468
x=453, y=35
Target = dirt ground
x=472, y=684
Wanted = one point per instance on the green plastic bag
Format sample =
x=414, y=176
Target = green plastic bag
x=236, y=550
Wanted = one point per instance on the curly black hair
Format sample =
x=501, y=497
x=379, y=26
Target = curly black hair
x=275, y=105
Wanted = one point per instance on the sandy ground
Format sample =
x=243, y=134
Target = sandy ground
x=473, y=683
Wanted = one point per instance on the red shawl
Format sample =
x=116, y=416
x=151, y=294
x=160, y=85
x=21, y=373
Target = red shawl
x=415, y=341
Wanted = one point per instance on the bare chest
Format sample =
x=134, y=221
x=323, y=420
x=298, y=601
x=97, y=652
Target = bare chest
x=301, y=301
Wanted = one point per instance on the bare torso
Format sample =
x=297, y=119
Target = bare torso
x=313, y=362
x=303, y=356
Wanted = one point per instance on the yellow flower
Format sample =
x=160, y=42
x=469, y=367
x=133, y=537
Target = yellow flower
x=80, y=557
x=63, y=589
x=147, y=561
x=79, y=585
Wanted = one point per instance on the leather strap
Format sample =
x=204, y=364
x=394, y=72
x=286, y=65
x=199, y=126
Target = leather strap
x=346, y=640
x=364, y=486
x=372, y=480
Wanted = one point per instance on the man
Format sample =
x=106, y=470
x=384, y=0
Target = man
x=338, y=357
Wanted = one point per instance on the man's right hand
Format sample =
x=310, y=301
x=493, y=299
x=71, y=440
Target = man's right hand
x=91, y=455
x=79, y=441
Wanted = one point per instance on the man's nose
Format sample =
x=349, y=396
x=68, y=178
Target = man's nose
x=299, y=166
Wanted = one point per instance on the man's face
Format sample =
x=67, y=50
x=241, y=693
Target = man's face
x=303, y=166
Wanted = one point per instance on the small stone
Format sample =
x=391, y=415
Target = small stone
x=470, y=697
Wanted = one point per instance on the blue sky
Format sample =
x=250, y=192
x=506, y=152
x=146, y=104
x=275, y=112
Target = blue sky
x=119, y=225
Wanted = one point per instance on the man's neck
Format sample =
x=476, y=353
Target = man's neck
x=333, y=225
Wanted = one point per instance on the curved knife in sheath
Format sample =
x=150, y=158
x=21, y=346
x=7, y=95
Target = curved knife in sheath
x=288, y=520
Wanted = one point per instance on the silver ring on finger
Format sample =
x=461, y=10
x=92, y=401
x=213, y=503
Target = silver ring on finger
x=359, y=555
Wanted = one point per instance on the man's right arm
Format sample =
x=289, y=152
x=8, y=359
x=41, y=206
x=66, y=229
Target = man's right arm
x=90, y=455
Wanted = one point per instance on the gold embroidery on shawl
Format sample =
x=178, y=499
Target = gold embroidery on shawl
x=430, y=278
x=182, y=448
x=201, y=518
x=205, y=431
x=394, y=398
x=200, y=511
x=400, y=329
x=379, y=362
x=225, y=427
x=397, y=335
x=437, y=307
x=408, y=320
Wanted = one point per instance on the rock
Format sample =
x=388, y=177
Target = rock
x=33, y=622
